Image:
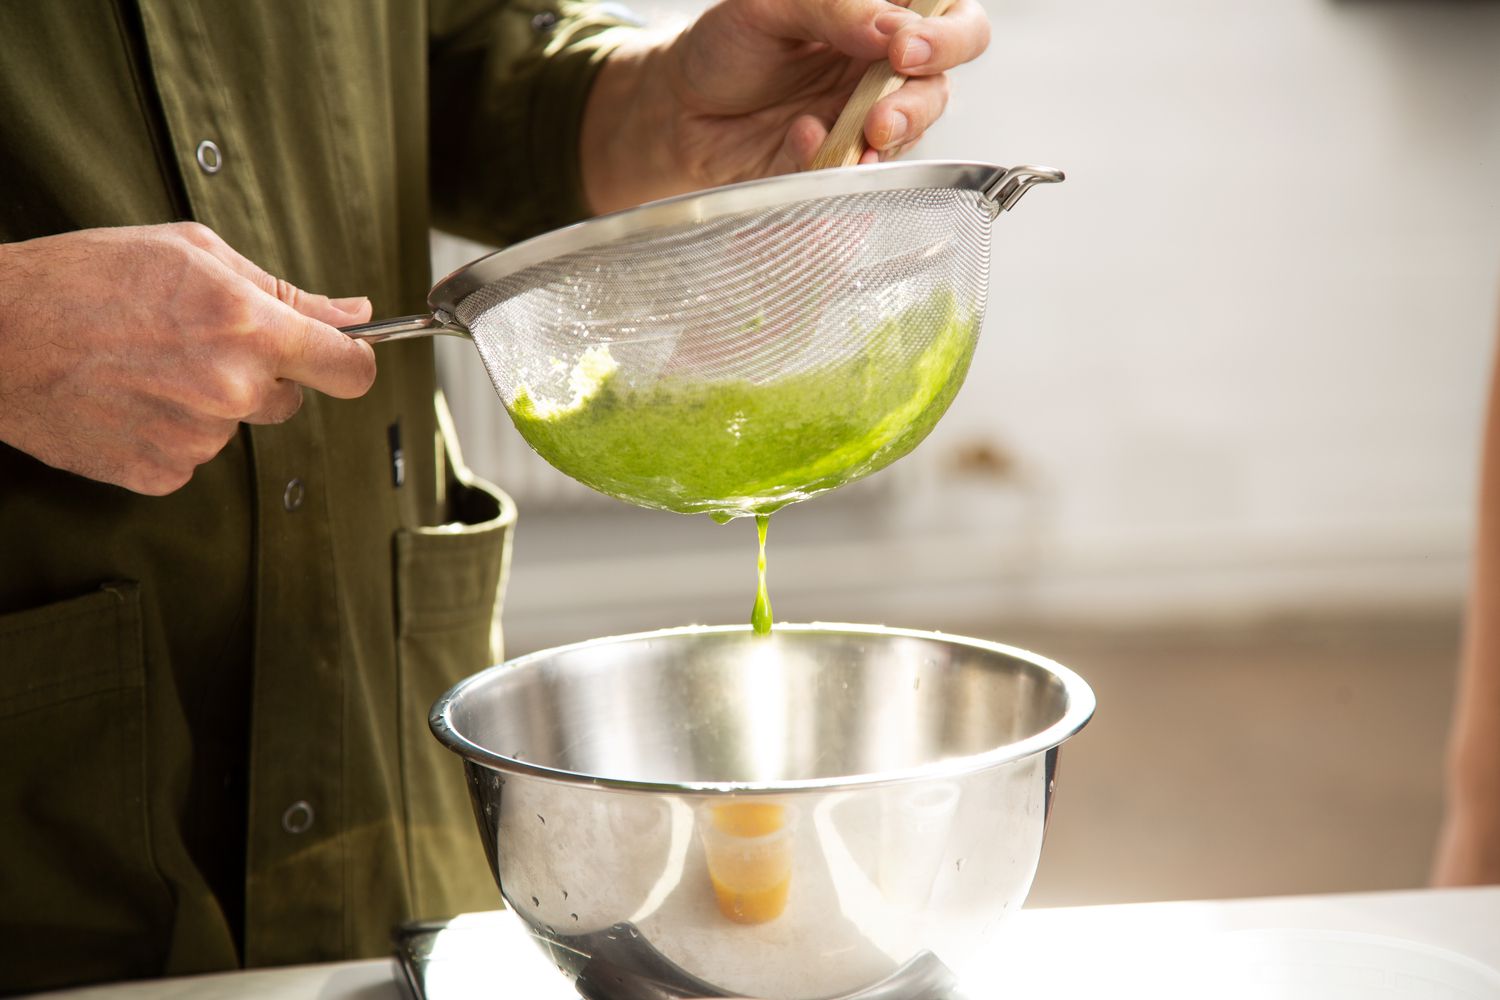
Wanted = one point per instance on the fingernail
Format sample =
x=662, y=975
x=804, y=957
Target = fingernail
x=352, y=305
x=916, y=53
x=900, y=125
x=893, y=21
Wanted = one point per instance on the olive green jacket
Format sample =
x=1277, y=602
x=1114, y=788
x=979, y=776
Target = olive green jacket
x=213, y=739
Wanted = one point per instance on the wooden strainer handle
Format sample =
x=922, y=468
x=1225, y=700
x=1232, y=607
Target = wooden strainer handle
x=846, y=140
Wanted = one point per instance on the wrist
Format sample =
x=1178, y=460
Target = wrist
x=629, y=128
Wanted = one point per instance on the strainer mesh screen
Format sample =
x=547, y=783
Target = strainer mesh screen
x=826, y=298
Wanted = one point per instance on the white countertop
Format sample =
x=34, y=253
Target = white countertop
x=1058, y=953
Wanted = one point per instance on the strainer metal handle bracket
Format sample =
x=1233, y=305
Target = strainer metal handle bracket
x=1007, y=189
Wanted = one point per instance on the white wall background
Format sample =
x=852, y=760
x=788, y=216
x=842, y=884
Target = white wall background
x=1234, y=366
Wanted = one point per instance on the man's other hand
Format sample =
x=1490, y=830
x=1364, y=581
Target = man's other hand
x=753, y=86
x=131, y=355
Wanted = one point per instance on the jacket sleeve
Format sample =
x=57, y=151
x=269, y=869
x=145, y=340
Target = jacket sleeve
x=508, y=80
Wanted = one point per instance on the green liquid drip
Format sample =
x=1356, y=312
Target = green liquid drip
x=760, y=615
x=732, y=447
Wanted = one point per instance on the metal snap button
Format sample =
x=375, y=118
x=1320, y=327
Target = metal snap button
x=544, y=22
x=298, y=817
x=291, y=497
x=209, y=157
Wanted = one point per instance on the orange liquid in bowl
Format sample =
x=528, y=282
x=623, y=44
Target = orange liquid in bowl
x=749, y=850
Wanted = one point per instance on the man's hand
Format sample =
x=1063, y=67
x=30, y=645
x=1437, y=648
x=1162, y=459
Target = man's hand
x=752, y=88
x=130, y=355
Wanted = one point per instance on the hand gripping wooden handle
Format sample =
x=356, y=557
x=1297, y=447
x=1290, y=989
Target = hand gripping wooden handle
x=846, y=140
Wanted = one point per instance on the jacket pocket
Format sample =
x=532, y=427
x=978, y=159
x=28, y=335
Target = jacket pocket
x=80, y=898
x=449, y=583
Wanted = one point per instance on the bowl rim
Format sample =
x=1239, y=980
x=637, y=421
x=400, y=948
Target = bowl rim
x=1079, y=709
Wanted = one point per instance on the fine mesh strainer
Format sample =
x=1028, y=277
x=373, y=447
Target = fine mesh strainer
x=737, y=349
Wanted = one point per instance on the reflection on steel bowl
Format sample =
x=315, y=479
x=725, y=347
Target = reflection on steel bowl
x=828, y=811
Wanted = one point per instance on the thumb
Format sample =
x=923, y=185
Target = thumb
x=319, y=357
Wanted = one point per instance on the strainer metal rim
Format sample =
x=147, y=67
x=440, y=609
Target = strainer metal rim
x=1081, y=704
x=705, y=206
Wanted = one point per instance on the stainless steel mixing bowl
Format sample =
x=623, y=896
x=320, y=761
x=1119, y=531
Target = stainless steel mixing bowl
x=828, y=811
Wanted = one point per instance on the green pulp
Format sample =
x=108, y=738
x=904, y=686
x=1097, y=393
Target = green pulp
x=733, y=448
x=760, y=615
